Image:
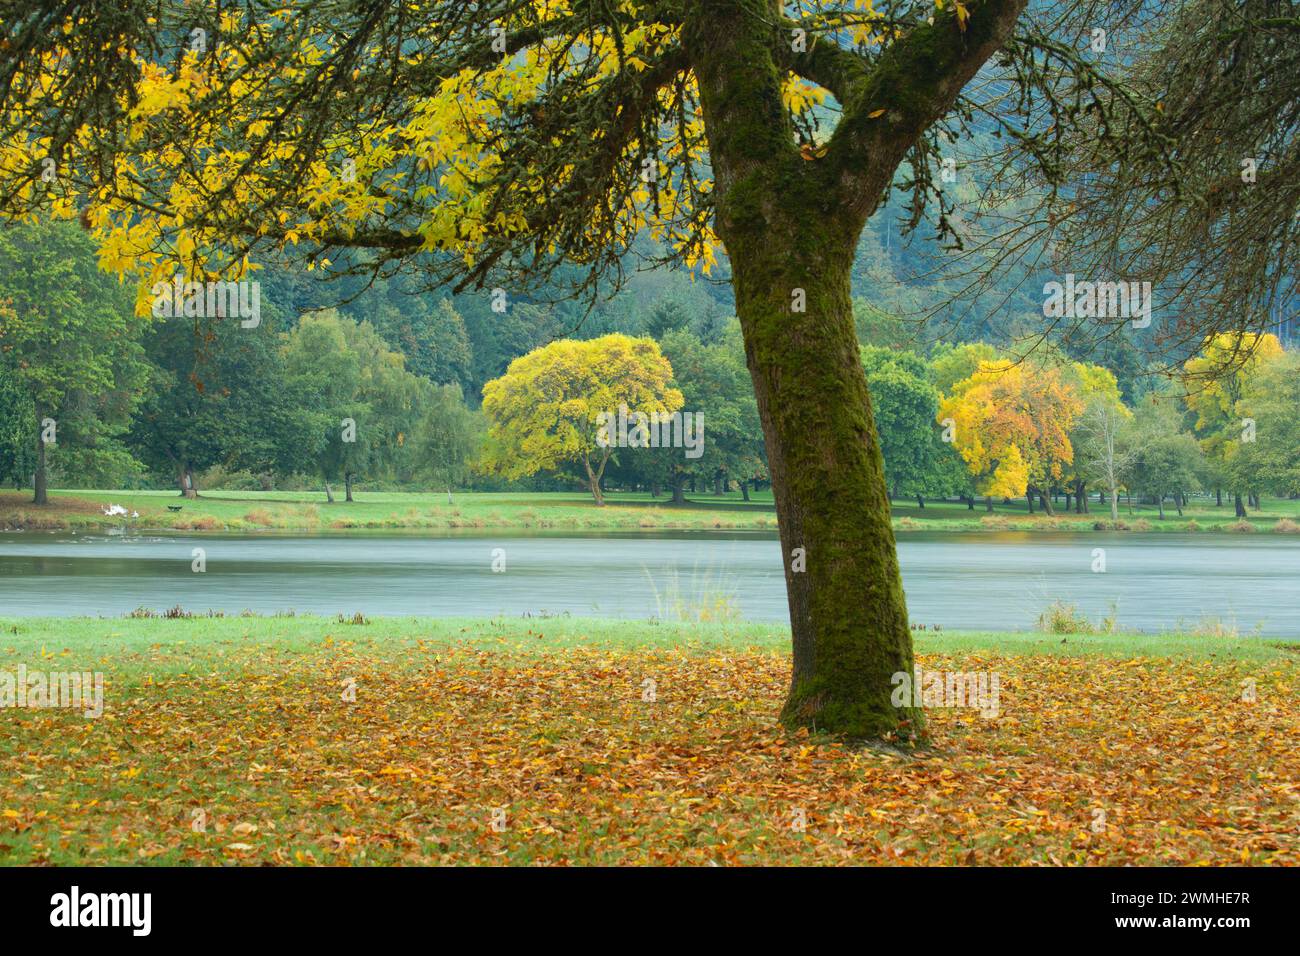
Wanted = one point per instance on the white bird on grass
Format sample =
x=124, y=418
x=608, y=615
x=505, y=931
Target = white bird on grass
x=113, y=510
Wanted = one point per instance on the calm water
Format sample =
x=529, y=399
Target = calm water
x=994, y=581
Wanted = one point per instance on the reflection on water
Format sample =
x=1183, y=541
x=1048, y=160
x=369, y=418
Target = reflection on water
x=987, y=581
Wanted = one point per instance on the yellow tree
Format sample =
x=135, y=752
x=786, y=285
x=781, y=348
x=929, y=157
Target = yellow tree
x=490, y=144
x=553, y=405
x=1011, y=427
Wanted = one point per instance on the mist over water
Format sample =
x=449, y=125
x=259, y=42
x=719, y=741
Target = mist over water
x=989, y=581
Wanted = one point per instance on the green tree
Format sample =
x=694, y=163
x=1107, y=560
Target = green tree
x=1266, y=455
x=430, y=334
x=218, y=396
x=17, y=426
x=361, y=392
x=1216, y=381
x=68, y=337
x=714, y=383
x=905, y=407
x=1162, y=458
x=446, y=437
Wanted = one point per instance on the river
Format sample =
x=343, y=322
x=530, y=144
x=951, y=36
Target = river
x=977, y=581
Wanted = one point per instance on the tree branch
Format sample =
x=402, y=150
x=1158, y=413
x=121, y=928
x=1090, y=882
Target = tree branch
x=913, y=84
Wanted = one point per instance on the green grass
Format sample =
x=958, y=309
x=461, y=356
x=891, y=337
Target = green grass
x=307, y=511
x=244, y=511
x=124, y=642
x=227, y=740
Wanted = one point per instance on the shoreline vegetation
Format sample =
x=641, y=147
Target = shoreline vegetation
x=305, y=511
x=321, y=741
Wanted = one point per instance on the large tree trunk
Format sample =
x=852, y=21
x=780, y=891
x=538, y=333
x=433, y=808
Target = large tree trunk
x=744, y=488
x=329, y=494
x=40, y=488
x=847, y=613
x=790, y=223
x=1046, y=500
x=920, y=502
x=347, y=486
x=1241, y=509
x=848, y=616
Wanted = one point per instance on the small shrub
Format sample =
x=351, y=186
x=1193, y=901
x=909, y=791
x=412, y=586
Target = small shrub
x=1191, y=526
x=258, y=516
x=1240, y=527
x=1142, y=524
x=1062, y=618
x=1215, y=627
x=1286, y=526
x=357, y=618
x=907, y=524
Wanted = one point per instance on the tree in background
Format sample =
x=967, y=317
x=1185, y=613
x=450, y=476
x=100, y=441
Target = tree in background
x=1266, y=454
x=1101, y=455
x=714, y=382
x=1161, y=458
x=431, y=335
x=445, y=438
x=17, y=427
x=362, y=394
x=1215, y=382
x=542, y=413
x=217, y=396
x=1010, y=416
x=1102, y=414
x=68, y=339
x=906, y=406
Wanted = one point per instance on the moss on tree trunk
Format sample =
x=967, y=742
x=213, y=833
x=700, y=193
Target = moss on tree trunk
x=790, y=221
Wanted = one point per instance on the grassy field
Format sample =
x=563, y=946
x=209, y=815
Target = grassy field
x=509, y=741
x=307, y=511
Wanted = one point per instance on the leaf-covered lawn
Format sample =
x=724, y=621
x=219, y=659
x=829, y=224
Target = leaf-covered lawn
x=247, y=752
